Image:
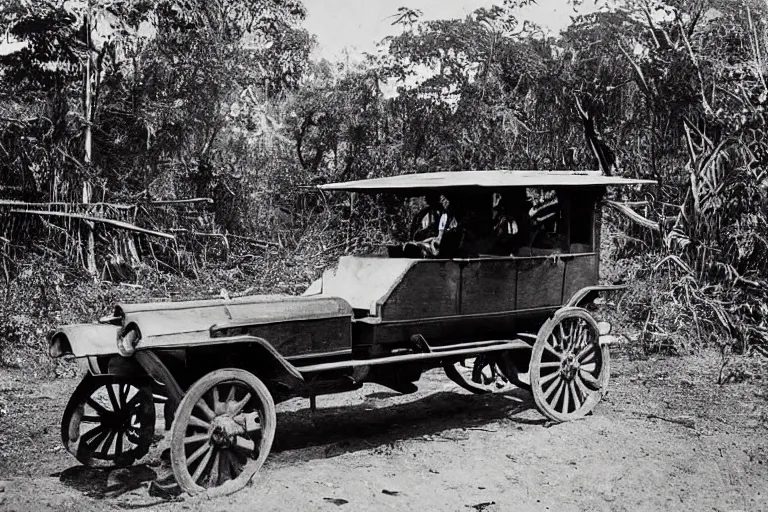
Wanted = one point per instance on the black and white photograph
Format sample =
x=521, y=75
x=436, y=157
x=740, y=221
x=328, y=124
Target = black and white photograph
x=384, y=255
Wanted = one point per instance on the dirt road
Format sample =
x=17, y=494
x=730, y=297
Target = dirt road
x=442, y=449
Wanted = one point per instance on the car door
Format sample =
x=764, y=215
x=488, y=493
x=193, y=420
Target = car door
x=488, y=285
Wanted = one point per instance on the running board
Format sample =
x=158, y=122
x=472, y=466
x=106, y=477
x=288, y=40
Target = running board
x=437, y=353
x=461, y=346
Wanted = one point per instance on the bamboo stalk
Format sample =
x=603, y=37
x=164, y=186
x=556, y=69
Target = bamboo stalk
x=88, y=218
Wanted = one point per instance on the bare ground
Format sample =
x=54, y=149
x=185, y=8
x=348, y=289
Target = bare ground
x=666, y=437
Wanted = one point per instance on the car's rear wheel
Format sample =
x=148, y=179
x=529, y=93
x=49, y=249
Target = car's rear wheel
x=109, y=421
x=569, y=368
x=222, y=432
x=485, y=373
x=514, y=364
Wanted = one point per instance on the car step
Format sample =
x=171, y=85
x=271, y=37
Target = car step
x=437, y=353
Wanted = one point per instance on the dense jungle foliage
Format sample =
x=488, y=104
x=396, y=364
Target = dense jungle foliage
x=171, y=148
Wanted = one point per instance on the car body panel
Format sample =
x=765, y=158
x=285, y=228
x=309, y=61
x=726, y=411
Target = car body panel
x=449, y=301
x=364, y=281
x=489, y=286
x=296, y=337
x=581, y=270
x=428, y=289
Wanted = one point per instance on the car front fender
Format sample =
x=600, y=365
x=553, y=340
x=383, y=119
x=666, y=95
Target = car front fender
x=82, y=340
x=284, y=371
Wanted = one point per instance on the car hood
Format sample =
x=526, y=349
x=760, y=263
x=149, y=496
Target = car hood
x=168, y=324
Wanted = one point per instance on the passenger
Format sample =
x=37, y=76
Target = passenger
x=512, y=226
x=464, y=230
x=448, y=221
x=425, y=223
x=504, y=224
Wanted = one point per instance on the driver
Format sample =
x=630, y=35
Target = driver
x=437, y=245
x=464, y=228
x=425, y=223
x=448, y=223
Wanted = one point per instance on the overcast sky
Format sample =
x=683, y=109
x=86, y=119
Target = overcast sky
x=360, y=24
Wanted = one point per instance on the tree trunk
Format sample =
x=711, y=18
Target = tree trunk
x=87, y=191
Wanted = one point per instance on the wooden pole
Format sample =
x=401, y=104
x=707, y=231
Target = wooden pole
x=87, y=83
x=91, y=257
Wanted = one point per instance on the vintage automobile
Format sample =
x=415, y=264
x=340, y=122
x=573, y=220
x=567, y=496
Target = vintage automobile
x=217, y=367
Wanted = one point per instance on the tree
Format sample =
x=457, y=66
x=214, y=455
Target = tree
x=134, y=89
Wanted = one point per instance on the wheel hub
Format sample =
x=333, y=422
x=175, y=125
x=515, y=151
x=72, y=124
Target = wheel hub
x=569, y=367
x=121, y=417
x=224, y=431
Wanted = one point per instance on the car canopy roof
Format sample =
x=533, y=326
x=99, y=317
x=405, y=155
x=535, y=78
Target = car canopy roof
x=421, y=182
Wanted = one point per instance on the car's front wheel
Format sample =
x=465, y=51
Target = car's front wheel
x=222, y=432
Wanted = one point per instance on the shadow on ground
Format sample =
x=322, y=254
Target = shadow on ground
x=366, y=426
x=102, y=483
x=339, y=429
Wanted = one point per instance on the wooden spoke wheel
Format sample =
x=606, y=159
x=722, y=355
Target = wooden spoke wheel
x=482, y=374
x=222, y=432
x=514, y=364
x=109, y=421
x=569, y=369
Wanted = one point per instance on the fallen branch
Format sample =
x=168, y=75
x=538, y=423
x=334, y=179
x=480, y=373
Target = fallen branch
x=116, y=206
x=255, y=241
x=171, y=202
x=686, y=421
x=115, y=223
x=749, y=282
x=244, y=293
x=349, y=246
x=131, y=285
x=197, y=233
x=22, y=204
x=633, y=215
